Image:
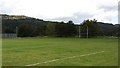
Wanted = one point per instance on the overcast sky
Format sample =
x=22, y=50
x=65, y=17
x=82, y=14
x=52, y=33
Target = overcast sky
x=63, y=10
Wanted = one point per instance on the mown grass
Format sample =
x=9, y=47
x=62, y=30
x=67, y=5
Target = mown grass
x=25, y=51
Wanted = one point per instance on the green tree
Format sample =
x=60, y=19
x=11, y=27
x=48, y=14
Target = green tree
x=40, y=30
x=26, y=30
x=50, y=29
x=7, y=30
x=70, y=22
x=66, y=29
x=91, y=26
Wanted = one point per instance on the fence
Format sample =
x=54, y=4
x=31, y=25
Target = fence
x=9, y=35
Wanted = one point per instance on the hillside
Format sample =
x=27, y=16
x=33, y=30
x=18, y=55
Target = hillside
x=12, y=21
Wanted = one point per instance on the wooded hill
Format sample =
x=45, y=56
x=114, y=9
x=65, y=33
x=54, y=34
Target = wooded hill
x=30, y=27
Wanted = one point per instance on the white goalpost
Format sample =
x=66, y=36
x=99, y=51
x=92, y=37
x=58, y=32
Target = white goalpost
x=86, y=34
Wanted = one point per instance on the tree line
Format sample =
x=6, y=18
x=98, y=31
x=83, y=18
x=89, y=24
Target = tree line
x=51, y=29
x=33, y=27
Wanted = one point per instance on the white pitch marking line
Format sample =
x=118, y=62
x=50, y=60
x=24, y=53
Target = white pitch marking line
x=64, y=58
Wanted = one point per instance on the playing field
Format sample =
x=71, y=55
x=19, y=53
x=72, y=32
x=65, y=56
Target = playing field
x=60, y=52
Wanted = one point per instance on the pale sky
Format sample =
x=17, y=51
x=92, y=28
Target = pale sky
x=63, y=10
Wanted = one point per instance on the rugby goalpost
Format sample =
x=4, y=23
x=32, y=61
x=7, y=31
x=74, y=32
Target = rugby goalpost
x=87, y=32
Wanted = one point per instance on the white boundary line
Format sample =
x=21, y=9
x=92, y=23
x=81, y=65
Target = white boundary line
x=64, y=58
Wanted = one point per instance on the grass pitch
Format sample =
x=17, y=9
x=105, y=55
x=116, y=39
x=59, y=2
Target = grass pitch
x=28, y=51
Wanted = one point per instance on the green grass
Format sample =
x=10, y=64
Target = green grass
x=25, y=51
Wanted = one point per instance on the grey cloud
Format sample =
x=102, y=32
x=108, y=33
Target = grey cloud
x=109, y=7
x=65, y=19
x=77, y=17
x=82, y=15
x=7, y=11
x=4, y=9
